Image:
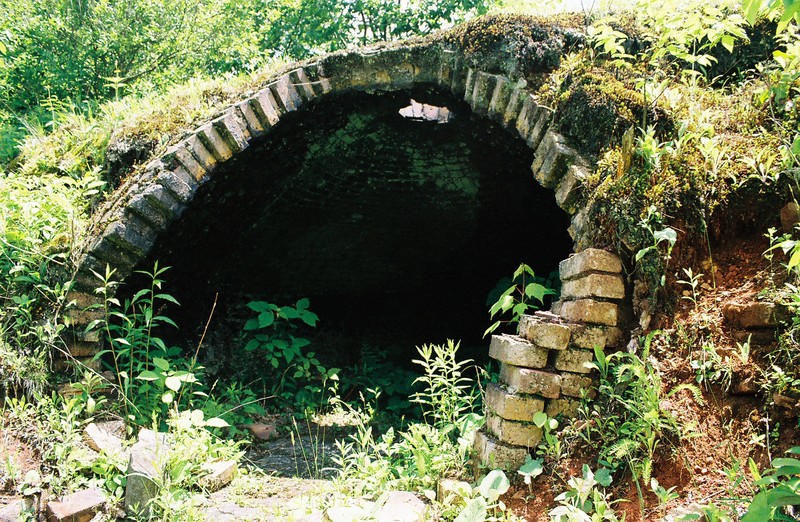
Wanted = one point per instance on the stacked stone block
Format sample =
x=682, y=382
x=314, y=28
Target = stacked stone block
x=545, y=367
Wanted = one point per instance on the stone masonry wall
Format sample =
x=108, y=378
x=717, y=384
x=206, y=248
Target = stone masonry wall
x=543, y=368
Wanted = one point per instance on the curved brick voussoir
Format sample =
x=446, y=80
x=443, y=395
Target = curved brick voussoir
x=286, y=94
x=156, y=206
x=553, y=159
x=232, y=127
x=482, y=92
x=125, y=242
x=501, y=96
x=532, y=122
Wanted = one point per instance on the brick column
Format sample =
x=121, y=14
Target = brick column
x=543, y=368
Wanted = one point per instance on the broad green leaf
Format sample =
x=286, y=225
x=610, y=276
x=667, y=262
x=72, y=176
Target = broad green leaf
x=667, y=234
x=161, y=364
x=258, y=306
x=491, y=329
x=751, y=9
x=173, y=383
x=290, y=313
x=603, y=477
x=493, y=485
x=266, y=319
x=537, y=291
x=302, y=304
x=310, y=318
x=474, y=511
x=539, y=419
x=148, y=375
x=216, y=422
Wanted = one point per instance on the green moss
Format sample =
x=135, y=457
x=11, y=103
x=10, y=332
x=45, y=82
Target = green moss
x=534, y=45
x=596, y=109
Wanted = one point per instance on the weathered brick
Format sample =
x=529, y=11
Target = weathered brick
x=514, y=106
x=527, y=380
x=569, y=188
x=589, y=260
x=214, y=142
x=179, y=182
x=574, y=360
x=81, y=506
x=254, y=125
x=459, y=77
x=517, y=351
x=82, y=349
x=482, y=92
x=542, y=333
x=132, y=235
x=220, y=474
x=609, y=286
x=303, y=84
x=512, y=406
x=553, y=158
x=577, y=385
x=517, y=433
x=469, y=85
x=180, y=155
x=758, y=314
x=233, y=131
x=589, y=336
x=266, y=108
x=563, y=406
x=201, y=153
x=156, y=206
x=286, y=94
x=500, y=98
x=590, y=311
x=493, y=454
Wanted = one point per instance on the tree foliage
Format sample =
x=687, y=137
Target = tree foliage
x=94, y=49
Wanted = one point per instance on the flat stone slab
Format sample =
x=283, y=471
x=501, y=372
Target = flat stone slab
x=589, y=260
x=590, y=311
x=101, y=440
x=515, y=350
x=81, y=506
x=608, y=286
x=530, y=381
x=512, y=406
x=524, y=434
x=221, y=473
x=401, y=506
x=550, y=335
x=494, y=454
x=574, y=360
x=758, y=314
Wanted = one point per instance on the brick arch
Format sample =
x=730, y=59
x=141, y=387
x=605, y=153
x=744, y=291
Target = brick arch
x=147, y=205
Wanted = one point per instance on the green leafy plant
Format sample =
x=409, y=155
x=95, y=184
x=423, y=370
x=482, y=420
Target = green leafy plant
x=271, y=333
x=519, y=298
x=551, y=442
x=150, y=375
x=666, y=235
x=630, y=421
x=416, y=457
x=693, y=282
x=585, y=501
x=483, y=501
x=780, y=488
x=448, y=394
